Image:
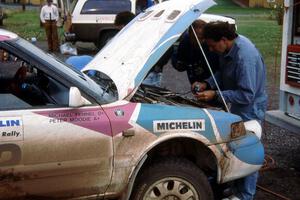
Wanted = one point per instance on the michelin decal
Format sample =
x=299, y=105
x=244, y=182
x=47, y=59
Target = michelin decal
x=178, y=125
x=11, y=129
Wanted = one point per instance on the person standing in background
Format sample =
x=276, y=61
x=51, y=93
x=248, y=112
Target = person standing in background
x=49, y=16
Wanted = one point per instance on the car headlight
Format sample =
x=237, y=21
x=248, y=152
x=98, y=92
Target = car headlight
x=237, y=129
x=254, y=127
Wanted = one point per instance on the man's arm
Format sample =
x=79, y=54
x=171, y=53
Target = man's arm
x=212, y=84
x=42, y=15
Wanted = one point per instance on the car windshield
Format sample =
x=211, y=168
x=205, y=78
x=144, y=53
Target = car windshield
x=109, y=88
x=98, y=91
x=105, y=6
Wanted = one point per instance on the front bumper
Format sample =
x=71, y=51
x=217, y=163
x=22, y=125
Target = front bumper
x=245, y=156
x=254, y=127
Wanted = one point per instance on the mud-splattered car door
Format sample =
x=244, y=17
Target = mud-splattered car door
x=48, y=148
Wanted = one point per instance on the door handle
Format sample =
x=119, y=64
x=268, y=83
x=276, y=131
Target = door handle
x=128, y=133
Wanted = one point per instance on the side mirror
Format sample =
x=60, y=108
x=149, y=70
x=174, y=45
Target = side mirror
x=75, y=98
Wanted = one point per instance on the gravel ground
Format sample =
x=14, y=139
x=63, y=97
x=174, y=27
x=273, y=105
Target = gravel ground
x=282, y=177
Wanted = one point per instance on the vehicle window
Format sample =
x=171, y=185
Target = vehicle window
x=105, y=6
x=24, y=86
x=110, y=93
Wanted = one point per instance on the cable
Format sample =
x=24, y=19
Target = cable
x=271, y=192
x=212, y=74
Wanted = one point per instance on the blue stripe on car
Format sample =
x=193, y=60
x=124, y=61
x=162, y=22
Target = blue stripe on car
x=149, y=113
x=224, y=126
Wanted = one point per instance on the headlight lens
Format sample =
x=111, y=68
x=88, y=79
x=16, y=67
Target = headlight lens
x=237, y=130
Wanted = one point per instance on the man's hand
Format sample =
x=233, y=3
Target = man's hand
x=198, y=87
x=207, y=95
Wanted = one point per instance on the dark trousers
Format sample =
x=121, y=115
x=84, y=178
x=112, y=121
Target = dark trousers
x=51, y=33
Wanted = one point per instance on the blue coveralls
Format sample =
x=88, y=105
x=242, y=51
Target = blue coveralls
x=242, y=80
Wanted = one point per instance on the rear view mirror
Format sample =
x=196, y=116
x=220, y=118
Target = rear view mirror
x=75, y=98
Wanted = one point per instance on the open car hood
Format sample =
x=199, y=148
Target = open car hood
x=129, y=56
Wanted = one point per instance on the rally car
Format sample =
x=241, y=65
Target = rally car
x=68, y=134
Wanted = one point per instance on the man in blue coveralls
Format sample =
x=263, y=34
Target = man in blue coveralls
x=242, y=80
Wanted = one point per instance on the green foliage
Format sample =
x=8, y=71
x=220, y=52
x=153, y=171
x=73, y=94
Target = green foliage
x=25, y=24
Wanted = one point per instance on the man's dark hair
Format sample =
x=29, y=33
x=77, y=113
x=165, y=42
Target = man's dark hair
x=217, y=30
x=123, y=18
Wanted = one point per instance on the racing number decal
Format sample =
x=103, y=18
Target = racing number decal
x=10, y=154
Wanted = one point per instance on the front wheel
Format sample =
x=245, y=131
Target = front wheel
x=174, y=179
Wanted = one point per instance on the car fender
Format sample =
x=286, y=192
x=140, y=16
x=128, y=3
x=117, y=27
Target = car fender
x=164, y=138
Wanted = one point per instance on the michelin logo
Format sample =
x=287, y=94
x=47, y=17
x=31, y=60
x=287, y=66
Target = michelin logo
x=11, y=129
x=179, y=125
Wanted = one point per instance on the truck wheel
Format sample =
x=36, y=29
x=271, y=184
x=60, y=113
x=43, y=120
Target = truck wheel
x=105, y=38
x=176, y=179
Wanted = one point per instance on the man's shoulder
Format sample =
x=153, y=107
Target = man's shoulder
x=243, y=41
x=245, y=46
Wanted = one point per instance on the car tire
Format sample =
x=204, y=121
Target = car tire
x=172, y=179
x=105, y=38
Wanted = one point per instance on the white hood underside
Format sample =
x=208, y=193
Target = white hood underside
x=129, y=56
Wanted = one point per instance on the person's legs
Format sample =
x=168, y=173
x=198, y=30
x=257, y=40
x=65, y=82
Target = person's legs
x=55, y=42
x=246, y=187
x=48, y=35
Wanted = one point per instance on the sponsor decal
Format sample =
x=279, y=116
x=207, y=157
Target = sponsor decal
x=179, y=125
x=75, y=116
x=94, y=118
x=11, y=129
x=91, y=118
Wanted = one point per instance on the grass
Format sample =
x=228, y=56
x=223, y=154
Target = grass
x=25, y=24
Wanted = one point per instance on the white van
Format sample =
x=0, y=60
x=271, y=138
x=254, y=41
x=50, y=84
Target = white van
x=93, y=20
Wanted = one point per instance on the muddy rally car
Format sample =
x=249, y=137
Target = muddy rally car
x=99, y=133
